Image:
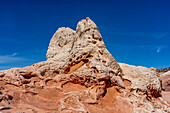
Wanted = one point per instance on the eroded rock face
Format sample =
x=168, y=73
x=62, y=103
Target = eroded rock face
x=19, y=76
x=81, y=76
x=165, y=79
x=82, y=52
x=141, y=78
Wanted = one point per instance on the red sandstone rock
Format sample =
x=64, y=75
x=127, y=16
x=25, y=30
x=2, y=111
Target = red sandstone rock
x=90, y=82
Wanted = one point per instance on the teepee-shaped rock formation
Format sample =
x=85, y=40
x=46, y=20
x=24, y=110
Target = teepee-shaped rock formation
x=82, y=52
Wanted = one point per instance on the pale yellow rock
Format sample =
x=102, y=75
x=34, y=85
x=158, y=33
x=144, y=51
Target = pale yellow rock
x=82, y=52
x=140, y=77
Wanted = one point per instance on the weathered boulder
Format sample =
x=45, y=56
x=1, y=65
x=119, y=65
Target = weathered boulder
x=140, y=77
x=165, y=79
x=19, y=76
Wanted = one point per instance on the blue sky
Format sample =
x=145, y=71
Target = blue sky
x=135, y=32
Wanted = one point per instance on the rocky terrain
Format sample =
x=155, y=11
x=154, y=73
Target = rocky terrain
x=163, y=70
x=81, y=76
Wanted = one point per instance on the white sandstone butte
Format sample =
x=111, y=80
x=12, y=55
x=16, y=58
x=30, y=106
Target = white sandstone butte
x=82, y=52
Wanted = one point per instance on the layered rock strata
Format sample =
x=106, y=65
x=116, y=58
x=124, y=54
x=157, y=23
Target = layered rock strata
x=81, y=76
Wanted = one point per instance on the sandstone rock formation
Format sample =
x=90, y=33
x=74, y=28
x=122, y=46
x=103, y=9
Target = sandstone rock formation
x=163, y=70
x=141, y=78
x=165, y=79
x=81, y=76
x=82, y=52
